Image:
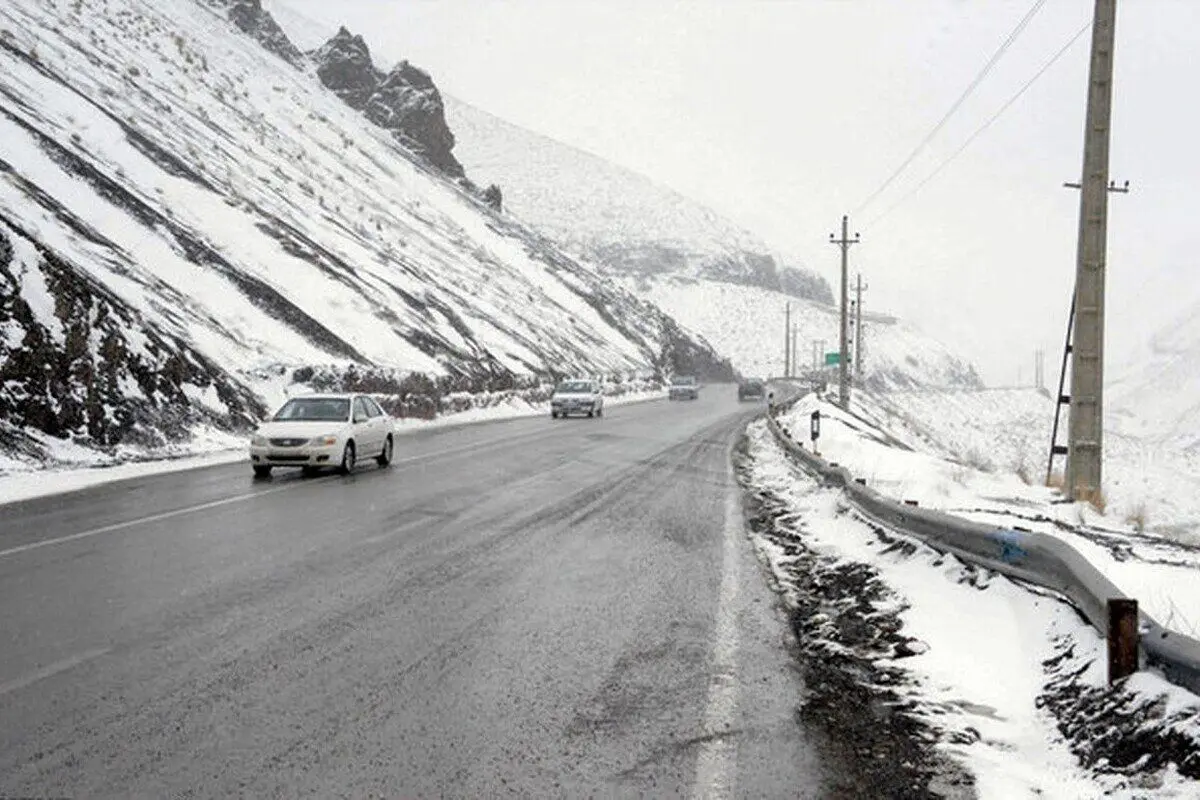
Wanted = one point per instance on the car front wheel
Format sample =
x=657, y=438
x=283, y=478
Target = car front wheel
x=385, y=457
x=348, y=459
x=262, y=471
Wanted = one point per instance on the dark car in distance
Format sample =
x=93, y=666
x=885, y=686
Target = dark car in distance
x=752, y=389
x=684, y=387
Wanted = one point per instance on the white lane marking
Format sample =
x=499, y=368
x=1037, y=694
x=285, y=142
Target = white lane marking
x=117, y=526
x=716, y=763
x=52, y=669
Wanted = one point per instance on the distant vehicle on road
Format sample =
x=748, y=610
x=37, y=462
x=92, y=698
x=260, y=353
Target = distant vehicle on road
x=577, y=396
x=323, y=430
x=752, y=389
x=684, y=387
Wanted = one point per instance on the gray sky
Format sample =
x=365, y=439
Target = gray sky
x=783, y=115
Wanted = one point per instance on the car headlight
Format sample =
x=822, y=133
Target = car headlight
x=323, y=441
x=258, y=441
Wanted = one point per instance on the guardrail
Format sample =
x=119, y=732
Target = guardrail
x=1035, y=558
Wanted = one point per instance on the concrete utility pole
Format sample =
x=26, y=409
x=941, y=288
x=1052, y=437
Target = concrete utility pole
x=1086, y=426
x=795, y=352
x=858, y=328
x=843, y=351
x=787, y=341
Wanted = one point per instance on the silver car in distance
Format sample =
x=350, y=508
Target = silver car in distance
x=578, y=396
x=323, y=430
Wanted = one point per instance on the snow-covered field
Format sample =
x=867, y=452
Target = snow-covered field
x=995, y=669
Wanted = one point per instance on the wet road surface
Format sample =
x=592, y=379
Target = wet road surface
x=532, y=608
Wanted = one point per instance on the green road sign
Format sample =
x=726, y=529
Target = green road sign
x=833, y=358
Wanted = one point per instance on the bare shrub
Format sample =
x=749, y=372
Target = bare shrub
x=1023, y=469
x=977, y=459
x=1137, y=517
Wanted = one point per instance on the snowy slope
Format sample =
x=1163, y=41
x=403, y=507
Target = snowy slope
x=615, y=216
x=1148, y=483
x=981, y=455
x=1007, y=682
x=747, y=323
x=221, y=203
x=1155, y=394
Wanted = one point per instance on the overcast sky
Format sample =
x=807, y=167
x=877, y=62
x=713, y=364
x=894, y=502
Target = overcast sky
x=784, y=115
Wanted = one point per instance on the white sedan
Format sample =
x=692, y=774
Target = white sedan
x=323, y=430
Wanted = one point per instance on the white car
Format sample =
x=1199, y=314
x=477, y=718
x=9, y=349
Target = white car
x=578, y=396
x=323, y=430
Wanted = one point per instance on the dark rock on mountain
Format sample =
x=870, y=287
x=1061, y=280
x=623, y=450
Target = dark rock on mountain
x=404, y=101
x=804, y=284
x=408, y=104
x=345, y=68
x=658, y=259
x=250, y=17
x=684, y=355
x=76, y=361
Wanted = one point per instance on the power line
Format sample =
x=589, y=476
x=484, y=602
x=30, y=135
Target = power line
x=983, y=73
x=979, y=131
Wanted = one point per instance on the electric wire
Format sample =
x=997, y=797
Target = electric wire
x=962, y=98
x=980, y=130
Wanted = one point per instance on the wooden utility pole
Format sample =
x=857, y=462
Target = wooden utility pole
x=843, y=351
x=1086, y=425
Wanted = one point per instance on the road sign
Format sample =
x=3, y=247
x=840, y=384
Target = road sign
x=832, y=358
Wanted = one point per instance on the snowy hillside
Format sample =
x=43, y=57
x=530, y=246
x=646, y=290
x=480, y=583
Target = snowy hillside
x=183, y=209
x=1007, y=432
x=612, y=215
x=1156, y=393
x=747, y=323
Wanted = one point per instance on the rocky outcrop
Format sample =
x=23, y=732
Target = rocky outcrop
x=250, y=18
x=345, y=68
x=404, y=101
x=805, y=285
x=649, y=260
x=408, y=104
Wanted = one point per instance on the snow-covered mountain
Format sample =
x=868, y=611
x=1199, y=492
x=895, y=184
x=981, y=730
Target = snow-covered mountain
x=185, y=208
x=747, y=323
x=706, y=272
x=614, y=216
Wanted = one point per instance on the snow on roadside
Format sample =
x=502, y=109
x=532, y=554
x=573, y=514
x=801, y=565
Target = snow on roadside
x=23, y=481
x=962, y=650
x=962, y=456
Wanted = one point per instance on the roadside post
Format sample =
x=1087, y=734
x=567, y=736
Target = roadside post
x=1122, y=638
x=815, y=429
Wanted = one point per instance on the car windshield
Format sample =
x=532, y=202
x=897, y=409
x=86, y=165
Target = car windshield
x=574, y=387
x=316, y=409
x=685, y=380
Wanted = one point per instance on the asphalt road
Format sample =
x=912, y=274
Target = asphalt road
x=530, y=608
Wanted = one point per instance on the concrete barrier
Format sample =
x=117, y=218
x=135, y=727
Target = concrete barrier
x=1035, y=558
